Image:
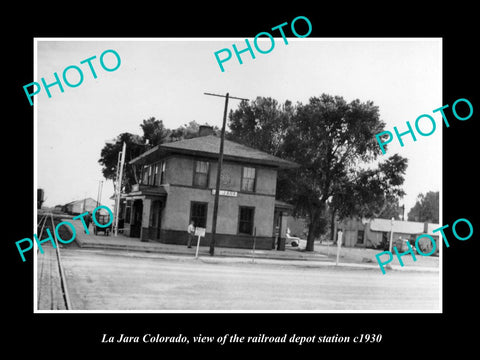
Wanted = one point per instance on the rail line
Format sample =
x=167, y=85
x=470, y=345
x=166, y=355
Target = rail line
x=48, y=218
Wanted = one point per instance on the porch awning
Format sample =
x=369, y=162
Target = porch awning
x=283, y=206
x=145, y=191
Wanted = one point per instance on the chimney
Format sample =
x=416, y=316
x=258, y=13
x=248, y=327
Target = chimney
x=204, y=130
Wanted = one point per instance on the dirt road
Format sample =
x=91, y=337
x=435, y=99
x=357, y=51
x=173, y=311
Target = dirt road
x=109, y=280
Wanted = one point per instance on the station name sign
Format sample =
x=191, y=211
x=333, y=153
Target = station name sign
x=225, y=193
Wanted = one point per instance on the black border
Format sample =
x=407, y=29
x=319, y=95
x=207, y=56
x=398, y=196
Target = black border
x=81, y=333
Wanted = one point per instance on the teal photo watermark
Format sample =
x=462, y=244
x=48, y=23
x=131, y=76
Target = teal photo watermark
x=226, y=54
x=69, y=73
x=424, y=124
x=411, y=251
x=57, y=235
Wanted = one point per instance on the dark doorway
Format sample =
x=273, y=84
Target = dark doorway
x=136, y=225
x=277, y=225
x=156, y=218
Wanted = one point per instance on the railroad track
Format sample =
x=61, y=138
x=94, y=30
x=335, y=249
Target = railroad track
x=52, y=290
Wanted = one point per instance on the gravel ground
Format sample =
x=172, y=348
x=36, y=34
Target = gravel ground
x=102, y=280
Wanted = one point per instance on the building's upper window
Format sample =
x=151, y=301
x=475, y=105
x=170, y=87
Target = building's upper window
x=156, y=175
x=248, y=179
x=163, y=166
x=153, y=174
x=145, y=175
x=200, y=175
x=159, y=173
x=150, y=175
x=245, y=220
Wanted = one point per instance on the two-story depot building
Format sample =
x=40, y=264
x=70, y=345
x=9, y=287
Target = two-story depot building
x=177, y=185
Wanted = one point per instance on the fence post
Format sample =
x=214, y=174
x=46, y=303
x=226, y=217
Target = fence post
x=339, y=244
x=254, y=240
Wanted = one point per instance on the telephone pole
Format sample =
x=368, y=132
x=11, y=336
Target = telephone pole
x=219, y=169
x=99, y=192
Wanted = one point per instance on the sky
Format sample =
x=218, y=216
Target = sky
x=167, y=78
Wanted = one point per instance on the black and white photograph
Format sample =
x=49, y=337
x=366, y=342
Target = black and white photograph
x=292, y=206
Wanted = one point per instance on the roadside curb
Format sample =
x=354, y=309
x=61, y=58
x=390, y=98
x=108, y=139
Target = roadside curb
x=248, y=258
x=226, y=255
x=202, y=253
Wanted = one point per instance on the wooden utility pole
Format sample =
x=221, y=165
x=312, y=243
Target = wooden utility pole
x=219, y=169
x=99, y=192
x=391, y=235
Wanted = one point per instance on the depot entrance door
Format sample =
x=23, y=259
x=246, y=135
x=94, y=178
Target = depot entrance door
x=156, y=218
x=136, y=224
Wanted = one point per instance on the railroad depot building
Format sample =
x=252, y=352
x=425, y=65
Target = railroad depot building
x=177, y=185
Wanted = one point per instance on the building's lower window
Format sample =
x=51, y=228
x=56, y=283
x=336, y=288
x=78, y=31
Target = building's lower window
x=198, y=214
x=245, y=220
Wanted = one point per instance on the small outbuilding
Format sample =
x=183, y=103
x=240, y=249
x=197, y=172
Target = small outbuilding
x=80, y=206
x=376, y=233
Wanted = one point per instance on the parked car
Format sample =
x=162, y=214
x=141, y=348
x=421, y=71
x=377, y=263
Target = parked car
x=401, y=245
x=293, y=241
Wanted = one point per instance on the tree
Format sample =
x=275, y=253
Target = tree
x=329, y=138
x=189, y=131
x=372, y=193
x=261, y=124
x=154, y=133
x=426, y=208
x=135, y=145
x=393, y=210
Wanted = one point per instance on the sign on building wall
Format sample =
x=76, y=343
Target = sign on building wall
x=225, y=193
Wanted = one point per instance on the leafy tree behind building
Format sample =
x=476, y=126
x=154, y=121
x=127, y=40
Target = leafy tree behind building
x=426, y=208
x=154, y=133
x=329, y=137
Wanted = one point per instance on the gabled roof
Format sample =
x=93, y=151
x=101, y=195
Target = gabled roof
x=80, y=201
x=209, y=146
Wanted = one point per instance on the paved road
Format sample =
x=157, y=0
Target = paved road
x=119, y=280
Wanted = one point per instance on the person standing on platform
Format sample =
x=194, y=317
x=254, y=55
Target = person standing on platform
x=88, y=220
x=191, y=233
